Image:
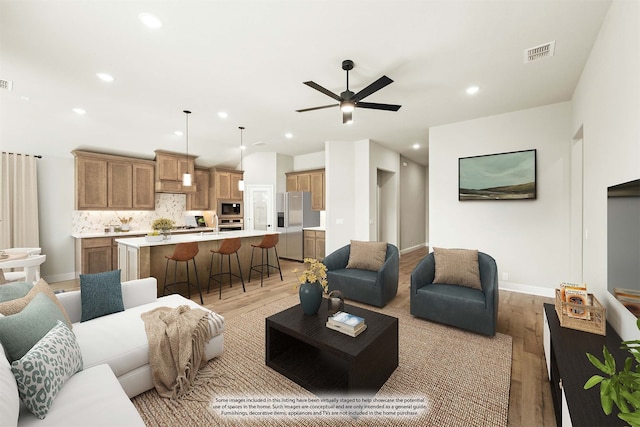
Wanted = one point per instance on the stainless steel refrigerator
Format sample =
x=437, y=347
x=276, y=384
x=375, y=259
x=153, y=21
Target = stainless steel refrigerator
x=294, y=214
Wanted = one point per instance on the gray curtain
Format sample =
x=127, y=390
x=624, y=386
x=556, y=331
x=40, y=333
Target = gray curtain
x=18, y=201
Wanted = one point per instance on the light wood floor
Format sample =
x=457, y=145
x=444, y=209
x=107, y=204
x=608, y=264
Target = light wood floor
x=520, y=316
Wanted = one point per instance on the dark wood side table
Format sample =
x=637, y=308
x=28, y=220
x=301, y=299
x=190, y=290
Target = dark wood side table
x=569, y=369
x=325, y=361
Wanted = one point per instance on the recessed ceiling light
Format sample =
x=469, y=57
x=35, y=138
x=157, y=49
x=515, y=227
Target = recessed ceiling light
x=178, y=133
x=105, y=77
x=79, y=111
x=151, y=21
x=223, y=115
x=472, y=90
x=288, y=135
x=416, y=146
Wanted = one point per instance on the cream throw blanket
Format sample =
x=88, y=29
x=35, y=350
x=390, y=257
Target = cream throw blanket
x=177, y=337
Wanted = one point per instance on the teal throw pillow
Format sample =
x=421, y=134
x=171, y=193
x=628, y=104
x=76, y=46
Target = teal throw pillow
x=101, y=294
x=43, y=371
x=14, y=290
x=21, y=331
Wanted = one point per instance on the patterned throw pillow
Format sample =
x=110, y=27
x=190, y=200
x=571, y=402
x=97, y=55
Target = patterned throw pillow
x=101, y=294
x=43, y=371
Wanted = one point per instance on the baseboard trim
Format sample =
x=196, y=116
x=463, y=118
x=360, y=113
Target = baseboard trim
x=412, y=248
x=53, y=278
x=527, y=289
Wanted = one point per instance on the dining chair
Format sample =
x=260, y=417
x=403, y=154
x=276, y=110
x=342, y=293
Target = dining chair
x=30, y=266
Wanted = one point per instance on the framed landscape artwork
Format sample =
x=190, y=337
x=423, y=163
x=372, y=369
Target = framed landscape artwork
x=503, y=176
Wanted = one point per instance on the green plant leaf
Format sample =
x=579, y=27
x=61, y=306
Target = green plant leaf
x=632, y=418
x=633, y=399
x=609, y=361
x=594, y=380
x=597, y=363
x=605, y=398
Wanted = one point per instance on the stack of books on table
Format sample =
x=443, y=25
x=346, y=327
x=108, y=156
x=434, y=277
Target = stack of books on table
x=346, y=323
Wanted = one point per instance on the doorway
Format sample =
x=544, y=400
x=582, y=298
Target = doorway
x=259, y=200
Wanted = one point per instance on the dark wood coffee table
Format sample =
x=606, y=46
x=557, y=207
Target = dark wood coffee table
x=325, y=361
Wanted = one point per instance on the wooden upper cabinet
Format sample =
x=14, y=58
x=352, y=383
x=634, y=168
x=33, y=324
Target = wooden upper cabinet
x=106, y=182
x=200, y=199
x=144, y=195
x=236, y=194
x=223, y=185
x=317, y=191
x=119, y=185
x=169, y=170
x=312, y=181
x=91, y=183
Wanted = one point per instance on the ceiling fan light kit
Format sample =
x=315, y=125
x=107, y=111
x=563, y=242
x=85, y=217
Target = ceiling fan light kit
x=348, y=101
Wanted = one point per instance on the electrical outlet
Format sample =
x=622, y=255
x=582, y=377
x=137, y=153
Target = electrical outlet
x=505, y=276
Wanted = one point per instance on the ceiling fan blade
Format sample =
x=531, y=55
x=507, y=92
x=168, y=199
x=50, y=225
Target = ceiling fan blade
x=373, y=87
x=375, y=106
x=327, y=92
x=347, y=117
x=317, y=108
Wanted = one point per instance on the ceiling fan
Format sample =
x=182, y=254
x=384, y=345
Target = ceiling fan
x=348, y=100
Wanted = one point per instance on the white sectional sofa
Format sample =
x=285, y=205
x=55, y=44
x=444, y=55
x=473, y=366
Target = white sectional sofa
x=115, y=362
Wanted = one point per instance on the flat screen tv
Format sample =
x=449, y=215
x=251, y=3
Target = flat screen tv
x=623, y=244
x=502, y=176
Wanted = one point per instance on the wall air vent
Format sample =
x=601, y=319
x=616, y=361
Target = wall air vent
x=6, y=84
x=538, y=52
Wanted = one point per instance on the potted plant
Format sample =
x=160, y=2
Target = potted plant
x=312, y=284
x=622, y=387
x=164, y=225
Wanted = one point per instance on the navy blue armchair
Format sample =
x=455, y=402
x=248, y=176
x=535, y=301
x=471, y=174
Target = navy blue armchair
x=370, y=287
x=459, y=306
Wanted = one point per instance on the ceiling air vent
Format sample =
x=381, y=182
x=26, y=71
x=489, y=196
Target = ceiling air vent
x=538, y=52
x=6, y=84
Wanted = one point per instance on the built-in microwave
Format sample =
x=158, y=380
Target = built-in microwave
x=230, y=208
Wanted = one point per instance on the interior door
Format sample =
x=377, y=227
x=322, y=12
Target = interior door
x=259, y=216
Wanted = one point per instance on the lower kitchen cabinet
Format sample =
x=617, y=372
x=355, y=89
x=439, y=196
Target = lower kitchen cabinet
x=314, y=242
x=97, y=254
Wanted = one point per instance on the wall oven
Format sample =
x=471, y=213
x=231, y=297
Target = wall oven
x=231, y=224
x=230, y=209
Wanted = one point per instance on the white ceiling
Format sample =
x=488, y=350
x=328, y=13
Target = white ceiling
x=249, y=59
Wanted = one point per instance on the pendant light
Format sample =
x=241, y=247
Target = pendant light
x=241, y=182
x=186, y=177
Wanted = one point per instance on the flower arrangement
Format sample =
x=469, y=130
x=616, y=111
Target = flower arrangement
x=314, y=271
x=162, y=224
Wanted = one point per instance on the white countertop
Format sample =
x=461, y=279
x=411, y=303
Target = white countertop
x=138, y=242
x=125, y=234
x=319, y=228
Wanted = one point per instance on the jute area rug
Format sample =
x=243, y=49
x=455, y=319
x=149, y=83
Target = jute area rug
x=445, y=377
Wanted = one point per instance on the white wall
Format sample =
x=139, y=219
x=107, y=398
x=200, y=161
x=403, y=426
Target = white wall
x=606, y=104
x=529, y=239
x=351, y=177
x=56, y=187
x=309, y=161
x=413, y=205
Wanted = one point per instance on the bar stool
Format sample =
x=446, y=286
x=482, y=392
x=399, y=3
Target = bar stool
x=268, y=241
x=227, y=247
x=183, y=252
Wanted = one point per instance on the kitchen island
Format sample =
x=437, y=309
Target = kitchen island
x=139, y=258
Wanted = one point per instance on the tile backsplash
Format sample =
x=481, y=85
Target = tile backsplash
x=170, y=206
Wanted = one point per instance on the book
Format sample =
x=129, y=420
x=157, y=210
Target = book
x=579, y=297
x=346, y=330
x=346, y=320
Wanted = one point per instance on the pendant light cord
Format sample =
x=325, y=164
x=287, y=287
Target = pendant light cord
x=241, y=145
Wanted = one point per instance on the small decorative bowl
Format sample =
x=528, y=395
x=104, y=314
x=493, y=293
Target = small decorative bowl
x=153, y=238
